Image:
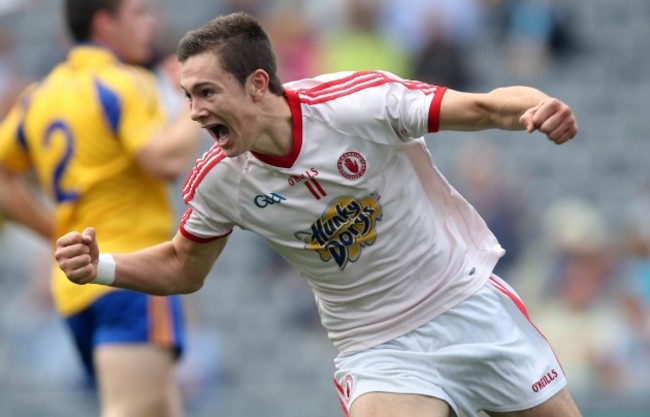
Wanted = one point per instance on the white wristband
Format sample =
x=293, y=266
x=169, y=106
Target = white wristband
x=105, y=270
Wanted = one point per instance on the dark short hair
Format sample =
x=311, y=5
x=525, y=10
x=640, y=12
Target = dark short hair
x=240, y=43
x=79, y=15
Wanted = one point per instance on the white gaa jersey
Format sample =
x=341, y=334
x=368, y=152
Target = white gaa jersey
x=358, y=208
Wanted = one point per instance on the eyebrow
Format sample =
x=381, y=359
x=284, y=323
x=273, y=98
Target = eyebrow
x=198, y=86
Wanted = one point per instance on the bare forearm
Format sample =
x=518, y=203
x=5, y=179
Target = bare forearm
x=500, y=108
x=157, y=270
x=506, y=105
x=508, y=108
x=175, y=267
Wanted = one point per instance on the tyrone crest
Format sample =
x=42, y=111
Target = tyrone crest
x=351, y=165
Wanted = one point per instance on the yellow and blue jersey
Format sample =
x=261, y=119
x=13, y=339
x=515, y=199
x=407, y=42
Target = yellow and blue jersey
x=79, y=129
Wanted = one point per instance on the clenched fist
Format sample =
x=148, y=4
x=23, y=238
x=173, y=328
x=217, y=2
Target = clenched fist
x=553, y=118
x=77, y=255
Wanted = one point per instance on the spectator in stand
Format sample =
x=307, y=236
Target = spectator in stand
x=584, y=309
x=437, y=36
x=359, y=45
x=534, y=33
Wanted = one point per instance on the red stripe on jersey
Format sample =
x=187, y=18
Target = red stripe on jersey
x=356, y=82
x=344, y=92
x=200, y=170
x=419, y=85
x=342, y=83
x=186, y=215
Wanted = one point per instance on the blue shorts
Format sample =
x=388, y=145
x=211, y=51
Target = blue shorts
x=124, y=316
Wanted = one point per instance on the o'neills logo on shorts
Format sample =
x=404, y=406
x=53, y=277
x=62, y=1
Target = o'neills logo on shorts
x=546, y=379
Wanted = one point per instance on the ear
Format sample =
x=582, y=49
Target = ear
x=257, y=84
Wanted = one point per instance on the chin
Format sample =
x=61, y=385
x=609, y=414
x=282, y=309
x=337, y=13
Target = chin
x=231, y=152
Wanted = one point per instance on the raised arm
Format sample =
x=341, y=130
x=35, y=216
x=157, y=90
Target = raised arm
x=178, y=266
x=508, y=108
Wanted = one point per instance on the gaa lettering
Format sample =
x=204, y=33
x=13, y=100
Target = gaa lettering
x=262, y=201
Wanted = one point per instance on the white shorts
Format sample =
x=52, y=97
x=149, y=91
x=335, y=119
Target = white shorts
x=483, y=354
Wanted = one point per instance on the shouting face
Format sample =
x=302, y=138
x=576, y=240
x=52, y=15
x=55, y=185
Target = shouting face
x=223, y=106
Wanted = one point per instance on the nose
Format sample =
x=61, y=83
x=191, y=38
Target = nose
x=197, y=112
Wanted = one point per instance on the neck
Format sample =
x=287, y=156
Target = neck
x=276, y=138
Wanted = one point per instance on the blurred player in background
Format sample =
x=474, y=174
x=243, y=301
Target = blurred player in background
x=94, y=132
x=19, y=202
x=334, y=173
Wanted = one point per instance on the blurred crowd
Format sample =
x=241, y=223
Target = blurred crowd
x=584, y=276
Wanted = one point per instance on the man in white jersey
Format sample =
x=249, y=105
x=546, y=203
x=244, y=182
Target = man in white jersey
x=334, y=173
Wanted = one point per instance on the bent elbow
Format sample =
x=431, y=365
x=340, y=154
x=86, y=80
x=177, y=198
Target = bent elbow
x=194, y=288
x=190, y=286
x=167, y=172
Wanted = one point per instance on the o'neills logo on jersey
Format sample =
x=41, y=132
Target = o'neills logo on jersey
x=351, y=165
x=344, y=229
x=546, y=379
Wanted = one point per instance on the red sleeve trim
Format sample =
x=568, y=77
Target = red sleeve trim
x=197, y=239
x=434, y=110
x=192, y=237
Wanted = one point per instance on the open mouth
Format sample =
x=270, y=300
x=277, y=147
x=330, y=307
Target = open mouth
x=220, y=133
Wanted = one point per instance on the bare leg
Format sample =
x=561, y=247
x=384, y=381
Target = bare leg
x=560, y=405
x=384, y=404
x=137, y=381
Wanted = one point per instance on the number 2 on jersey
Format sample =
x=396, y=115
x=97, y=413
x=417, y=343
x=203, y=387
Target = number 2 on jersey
x=59, y=193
